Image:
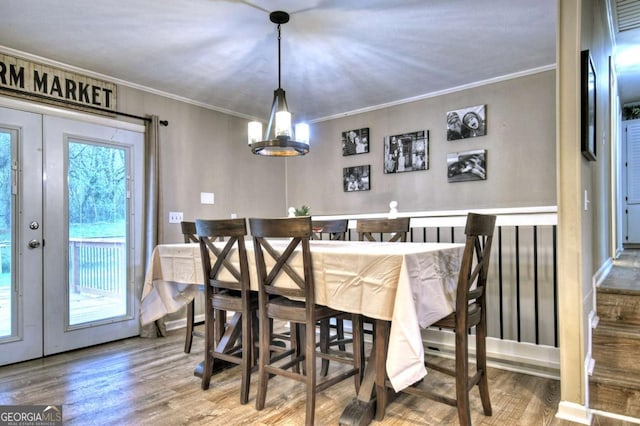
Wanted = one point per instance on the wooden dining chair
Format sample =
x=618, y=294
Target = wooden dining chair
x=293, y=301
x=335, y=229
x=390, y=230
x=227, y=288
x=394, y=229
x=189, y=234
x=470, y=313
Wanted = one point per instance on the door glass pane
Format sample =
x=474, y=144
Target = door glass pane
x=7, y=178
x=97, y=211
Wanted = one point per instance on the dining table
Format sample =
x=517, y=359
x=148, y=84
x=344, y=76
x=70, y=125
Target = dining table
x=401, y=287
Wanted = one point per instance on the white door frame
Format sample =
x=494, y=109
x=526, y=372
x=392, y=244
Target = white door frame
x=26, y=288
x=33, y=321
x=59, y=336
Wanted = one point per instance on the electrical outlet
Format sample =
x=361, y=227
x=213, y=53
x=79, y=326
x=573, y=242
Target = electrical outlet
x=175, y=217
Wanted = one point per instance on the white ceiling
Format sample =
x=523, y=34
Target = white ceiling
x=338, y=56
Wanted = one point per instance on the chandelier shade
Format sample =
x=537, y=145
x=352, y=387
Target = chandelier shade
x=279, y=139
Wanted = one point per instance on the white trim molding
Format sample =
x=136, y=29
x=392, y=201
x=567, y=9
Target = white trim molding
x=38, y=108
x=521, y=216
x=620, y=417
x=520, y=357
x=602, y=272
x=590, y=363
x=574, y=412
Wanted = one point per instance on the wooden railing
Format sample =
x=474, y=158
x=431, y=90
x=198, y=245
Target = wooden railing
x=98, y=265
x=522, y=307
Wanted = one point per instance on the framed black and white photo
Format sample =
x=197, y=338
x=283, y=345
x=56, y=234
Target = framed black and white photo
x=355, y=141
x=356, y=178
x=406, y=152
x=468, y=165
x=466, y=123
x=588, y=107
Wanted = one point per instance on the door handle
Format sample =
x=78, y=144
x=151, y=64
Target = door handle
x=34, y=244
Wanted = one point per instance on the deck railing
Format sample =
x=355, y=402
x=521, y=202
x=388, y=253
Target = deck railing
x=97, y=265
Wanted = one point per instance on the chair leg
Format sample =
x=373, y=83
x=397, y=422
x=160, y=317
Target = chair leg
x=462, y=378
x=481, y=365
x=209, y=344
x=381, y=330
x=358, y=348
x=263, y=359
x=255, y=335
x=340, y=333
x=325, y=331
x=301, y=348
x=310, y=369
x=247, y=348
x=189, y=331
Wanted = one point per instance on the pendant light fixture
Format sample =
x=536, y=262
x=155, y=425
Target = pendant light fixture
x=279, y=139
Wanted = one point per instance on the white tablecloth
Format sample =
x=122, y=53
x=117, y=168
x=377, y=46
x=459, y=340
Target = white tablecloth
x=410, y=284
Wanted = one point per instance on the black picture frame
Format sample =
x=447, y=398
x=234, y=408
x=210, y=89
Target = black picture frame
x=469, y=122
x=467, y=166
x=406, y=152
x=357, y=178
x=355, y=141
x=588, y=106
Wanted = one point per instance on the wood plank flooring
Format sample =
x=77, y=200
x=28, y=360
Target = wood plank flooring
x=625, y=273
x=142, y=381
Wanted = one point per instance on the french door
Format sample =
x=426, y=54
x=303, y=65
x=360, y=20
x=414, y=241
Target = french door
x=70, y=238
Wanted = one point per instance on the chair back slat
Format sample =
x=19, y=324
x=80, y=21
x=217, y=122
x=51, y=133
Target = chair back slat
x=298, y=230
x=189, y=232
x=281, y=263
x=474, y=268
x=336, y=229
x=235, y=229
x=222, y=258
x=397, y=228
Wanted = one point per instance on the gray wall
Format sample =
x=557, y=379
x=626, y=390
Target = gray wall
x=206, y=151
x=520, y=144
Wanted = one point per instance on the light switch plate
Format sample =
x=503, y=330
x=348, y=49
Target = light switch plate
x=206, y=198
x=586, y=200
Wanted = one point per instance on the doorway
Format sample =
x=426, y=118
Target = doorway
x=70, y=233
x=631, y=179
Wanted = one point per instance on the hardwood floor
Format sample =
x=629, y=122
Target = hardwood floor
x=614, y=387
x=142, y=381
x=625, y=273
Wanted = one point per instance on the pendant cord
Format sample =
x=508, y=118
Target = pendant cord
x=279, y=82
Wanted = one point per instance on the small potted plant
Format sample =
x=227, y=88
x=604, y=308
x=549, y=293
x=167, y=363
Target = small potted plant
x=303, y=211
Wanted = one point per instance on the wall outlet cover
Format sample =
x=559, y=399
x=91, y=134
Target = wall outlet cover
x=175, y=217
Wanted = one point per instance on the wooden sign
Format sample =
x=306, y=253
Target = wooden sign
x=34, y=80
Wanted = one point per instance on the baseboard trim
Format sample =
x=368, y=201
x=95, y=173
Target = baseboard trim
x=574, y=412
x=181, y=322
x=602, y=272
x=527, y=358
x=594, y=319
x=590, y=363
x=616, y=416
